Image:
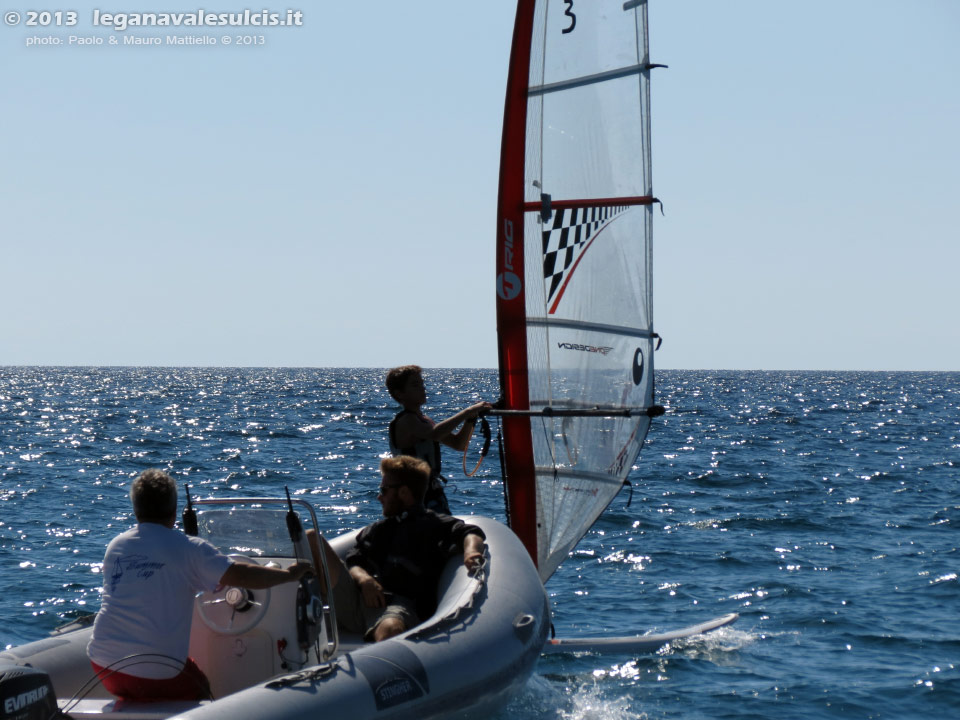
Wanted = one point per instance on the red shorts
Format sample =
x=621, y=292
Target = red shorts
x=190, y=684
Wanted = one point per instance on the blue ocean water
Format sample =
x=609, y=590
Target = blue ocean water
x=822, y=507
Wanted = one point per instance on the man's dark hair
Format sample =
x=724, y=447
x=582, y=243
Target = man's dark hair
x=397, y=378
x=154, y=496
x=407, y=470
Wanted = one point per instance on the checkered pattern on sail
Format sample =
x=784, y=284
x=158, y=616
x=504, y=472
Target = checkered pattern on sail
x=567, y=237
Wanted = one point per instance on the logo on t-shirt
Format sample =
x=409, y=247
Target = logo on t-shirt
x=133, y=566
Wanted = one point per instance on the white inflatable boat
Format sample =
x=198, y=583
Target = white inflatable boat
x=276, y=654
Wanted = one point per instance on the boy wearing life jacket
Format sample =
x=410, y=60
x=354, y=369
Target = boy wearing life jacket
x=413, y=433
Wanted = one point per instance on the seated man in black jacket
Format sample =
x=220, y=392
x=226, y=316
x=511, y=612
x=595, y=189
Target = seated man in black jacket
x=393, y=571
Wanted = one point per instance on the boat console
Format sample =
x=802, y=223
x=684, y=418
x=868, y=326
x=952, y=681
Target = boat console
x=240, y=637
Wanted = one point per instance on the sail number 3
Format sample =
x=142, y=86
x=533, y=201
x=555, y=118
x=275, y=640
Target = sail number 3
x=573, y=18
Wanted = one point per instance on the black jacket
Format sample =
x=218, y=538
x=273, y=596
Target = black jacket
x=407, y=553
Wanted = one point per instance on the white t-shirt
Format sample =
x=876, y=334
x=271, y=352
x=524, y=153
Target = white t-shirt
x=151, y=575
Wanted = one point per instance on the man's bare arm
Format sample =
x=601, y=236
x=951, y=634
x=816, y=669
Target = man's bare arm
x=258, y=577
x=370, y=588
x=411, y=428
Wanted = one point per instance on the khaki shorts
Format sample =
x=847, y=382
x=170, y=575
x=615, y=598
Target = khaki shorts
x=353, y=616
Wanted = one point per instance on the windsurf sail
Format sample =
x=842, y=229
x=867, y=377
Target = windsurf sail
x=574, y=225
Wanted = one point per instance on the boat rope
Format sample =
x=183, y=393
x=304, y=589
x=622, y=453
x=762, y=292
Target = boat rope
x=119, y=666
x=463, y=605
x=485, y=431
x=503, y=471
x=315, y=673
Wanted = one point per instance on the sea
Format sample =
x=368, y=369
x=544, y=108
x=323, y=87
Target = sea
x=823, y=507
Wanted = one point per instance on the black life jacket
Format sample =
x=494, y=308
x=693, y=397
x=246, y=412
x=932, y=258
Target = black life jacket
x=429, y=452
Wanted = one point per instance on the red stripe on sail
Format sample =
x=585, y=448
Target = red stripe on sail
x=520, y=485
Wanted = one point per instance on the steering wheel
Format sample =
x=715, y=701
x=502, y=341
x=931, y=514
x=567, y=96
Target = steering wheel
x=233, y=610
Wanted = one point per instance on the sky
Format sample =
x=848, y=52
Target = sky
x=327, y=197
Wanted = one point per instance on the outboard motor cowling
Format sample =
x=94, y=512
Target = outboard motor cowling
x=26, y=694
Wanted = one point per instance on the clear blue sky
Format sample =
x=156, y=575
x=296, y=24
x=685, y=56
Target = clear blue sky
x=328, y=198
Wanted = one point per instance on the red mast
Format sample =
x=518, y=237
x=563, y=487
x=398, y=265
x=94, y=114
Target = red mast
x=520, y=488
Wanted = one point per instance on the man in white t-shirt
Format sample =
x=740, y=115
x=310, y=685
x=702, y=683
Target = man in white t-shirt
x=151, y=574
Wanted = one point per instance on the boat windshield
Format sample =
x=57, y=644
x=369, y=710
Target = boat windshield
x=254, y=531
